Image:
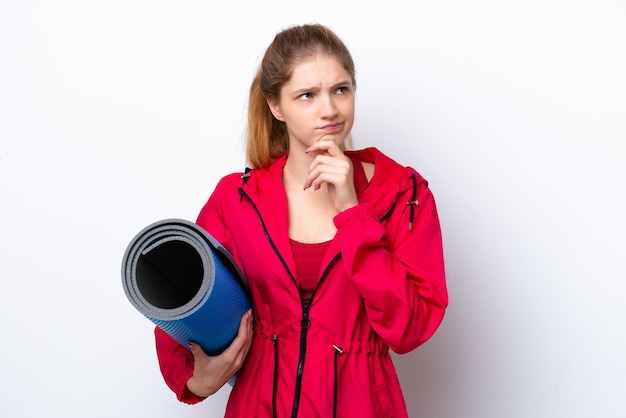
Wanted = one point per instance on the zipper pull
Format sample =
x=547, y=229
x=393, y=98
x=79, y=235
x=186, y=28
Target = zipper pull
x=305, y=323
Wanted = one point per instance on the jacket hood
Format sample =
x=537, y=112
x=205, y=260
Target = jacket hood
x=390, y=179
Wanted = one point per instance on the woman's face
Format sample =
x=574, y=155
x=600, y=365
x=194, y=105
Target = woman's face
x=317, y=103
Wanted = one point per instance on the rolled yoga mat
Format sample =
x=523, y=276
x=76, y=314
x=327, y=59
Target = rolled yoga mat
x=178, y=276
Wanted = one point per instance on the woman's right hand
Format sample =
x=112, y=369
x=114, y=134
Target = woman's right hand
x=210, y=373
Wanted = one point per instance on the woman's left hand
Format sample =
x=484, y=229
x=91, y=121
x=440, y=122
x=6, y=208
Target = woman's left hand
x=331, y=166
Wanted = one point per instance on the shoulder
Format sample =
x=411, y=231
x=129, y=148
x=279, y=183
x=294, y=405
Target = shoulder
x=380, y=165
x=253, y=180
x=234, y=179
x=228, y=183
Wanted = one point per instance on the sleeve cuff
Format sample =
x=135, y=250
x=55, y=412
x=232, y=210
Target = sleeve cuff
x=189, y=397
x=355, y=214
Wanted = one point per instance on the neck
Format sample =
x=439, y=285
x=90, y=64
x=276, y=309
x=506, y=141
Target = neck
x=297, y=168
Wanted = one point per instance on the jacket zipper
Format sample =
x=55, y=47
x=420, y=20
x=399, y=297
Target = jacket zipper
x=304, y=328
x=304, y=322
x=267, y=235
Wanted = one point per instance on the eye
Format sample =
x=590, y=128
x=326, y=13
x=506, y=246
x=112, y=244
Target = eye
x=342, y=90
x=306, y=96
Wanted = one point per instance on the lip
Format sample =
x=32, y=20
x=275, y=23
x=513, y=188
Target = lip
x=332, y=128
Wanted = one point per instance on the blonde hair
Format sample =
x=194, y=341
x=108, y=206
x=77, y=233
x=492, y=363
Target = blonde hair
x=266, y=136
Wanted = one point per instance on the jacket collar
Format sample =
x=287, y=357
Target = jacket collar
x=390, y=179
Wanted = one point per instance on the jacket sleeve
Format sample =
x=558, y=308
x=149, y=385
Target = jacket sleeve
x=176, y=364
x=398, y=272
x=175, y=361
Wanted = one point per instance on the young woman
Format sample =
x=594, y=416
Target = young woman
x=342, y=251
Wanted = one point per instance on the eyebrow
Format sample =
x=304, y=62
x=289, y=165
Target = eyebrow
x=336, y=85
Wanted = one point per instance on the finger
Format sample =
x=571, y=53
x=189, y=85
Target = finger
x=325, y=145
x=238, y=350
x=331, y=179
x=196, y=350
x=329, y=170
x=249, y=330
x=244, y=333
x=330, y=164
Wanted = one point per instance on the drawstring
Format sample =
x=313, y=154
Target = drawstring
x=244, y=177
x=413, y=202
x=338, y=351
x=275, y=384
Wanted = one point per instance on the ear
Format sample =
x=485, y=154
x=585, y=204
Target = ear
x=274, y=105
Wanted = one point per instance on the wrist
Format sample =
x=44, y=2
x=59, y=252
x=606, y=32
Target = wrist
x=199, y=387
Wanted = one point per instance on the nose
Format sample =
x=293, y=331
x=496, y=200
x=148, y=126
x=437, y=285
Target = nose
x=328, y=108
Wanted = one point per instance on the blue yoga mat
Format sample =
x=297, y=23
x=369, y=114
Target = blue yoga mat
x=178, y=276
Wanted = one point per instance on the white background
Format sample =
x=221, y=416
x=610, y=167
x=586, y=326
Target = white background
x=115, y=114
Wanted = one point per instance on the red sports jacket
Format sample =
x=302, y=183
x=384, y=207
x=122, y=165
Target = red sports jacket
x=382, y=286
